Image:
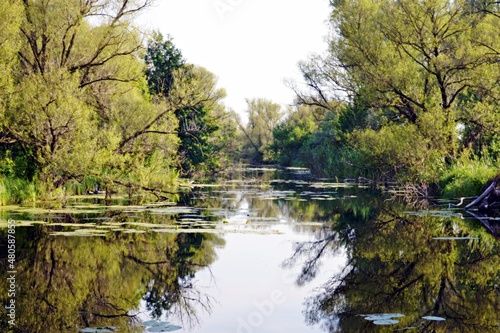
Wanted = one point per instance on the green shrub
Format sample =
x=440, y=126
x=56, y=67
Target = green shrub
x=399, y=152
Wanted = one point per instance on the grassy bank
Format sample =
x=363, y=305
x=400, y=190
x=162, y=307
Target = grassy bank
x=16, y=191
x=468, y=176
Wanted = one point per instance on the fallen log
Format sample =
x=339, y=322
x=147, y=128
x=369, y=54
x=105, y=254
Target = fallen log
x=480, y=198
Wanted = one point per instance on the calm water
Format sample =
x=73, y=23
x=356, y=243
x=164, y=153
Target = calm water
x=260, y=251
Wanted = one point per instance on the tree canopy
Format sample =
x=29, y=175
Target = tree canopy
x=87, y=95
x=421, y=88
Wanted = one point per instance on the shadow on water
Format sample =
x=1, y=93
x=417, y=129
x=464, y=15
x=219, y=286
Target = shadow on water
x=90, y=265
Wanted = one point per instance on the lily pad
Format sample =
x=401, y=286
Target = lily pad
x=160, y=326
x=434, y=318
x=384, y=318
x=386, y=322
x=134, y=231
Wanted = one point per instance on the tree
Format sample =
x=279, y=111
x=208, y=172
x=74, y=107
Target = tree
x=415, y=73
x=10, y=18
x=162, y=59
x=290, y=136
x=263, y=117
x=191, y=94
x=81, y=106
x=199, y=110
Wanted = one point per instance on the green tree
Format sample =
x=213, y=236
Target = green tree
x=81, y=106
x=290, y=136
x=199, y=110
x=10, y=18
x=162, y=59
x=191, y=92
x=263, y=117
x=424, y=73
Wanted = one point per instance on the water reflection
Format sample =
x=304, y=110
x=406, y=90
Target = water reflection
x=89, y=266
x=69, y=282
x=491, y=223
x=396, y=265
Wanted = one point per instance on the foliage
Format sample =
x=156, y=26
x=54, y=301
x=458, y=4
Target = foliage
x=16, y=191
x=263, y=117
x=467, y=176
x=418, y=89
x=198, y=109
x=80, y=100
x=191, y=92
x=290, y=135
x=162, y=59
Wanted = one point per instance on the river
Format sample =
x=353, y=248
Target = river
x=261, y=250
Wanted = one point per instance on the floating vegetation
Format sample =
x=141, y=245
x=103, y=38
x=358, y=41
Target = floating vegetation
x=81, y=233
x=435, y=213
x=160, y=326
x=219, y=231
x=20, y=223
x=72, y=225
x=434, y=318
x=331, y=185
x=386, y=322
x=134, y=231
x=383, y=318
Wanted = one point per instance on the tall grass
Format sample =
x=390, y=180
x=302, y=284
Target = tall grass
x=16, y=191
x=468, y=176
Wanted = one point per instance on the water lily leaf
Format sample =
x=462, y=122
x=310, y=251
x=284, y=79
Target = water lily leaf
x=97, y=231
x=152, y=323
x=433, y=318
x=386, y=322
x=158, y=326
x=134, y=231
x=382, y=316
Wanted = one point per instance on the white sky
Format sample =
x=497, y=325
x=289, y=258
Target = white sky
x=251, y=45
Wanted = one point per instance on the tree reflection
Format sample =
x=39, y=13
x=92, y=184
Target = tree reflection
x=69, y=282
x=395, y=265
x=173, y=291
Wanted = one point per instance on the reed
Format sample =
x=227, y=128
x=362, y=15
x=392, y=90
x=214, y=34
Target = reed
x=16, y=191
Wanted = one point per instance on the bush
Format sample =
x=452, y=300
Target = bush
x=399, y=152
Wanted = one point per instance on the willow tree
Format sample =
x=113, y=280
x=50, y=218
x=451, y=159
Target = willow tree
x=413, y=65
x=263, y=117
x=10, y=21
x=81, y=101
